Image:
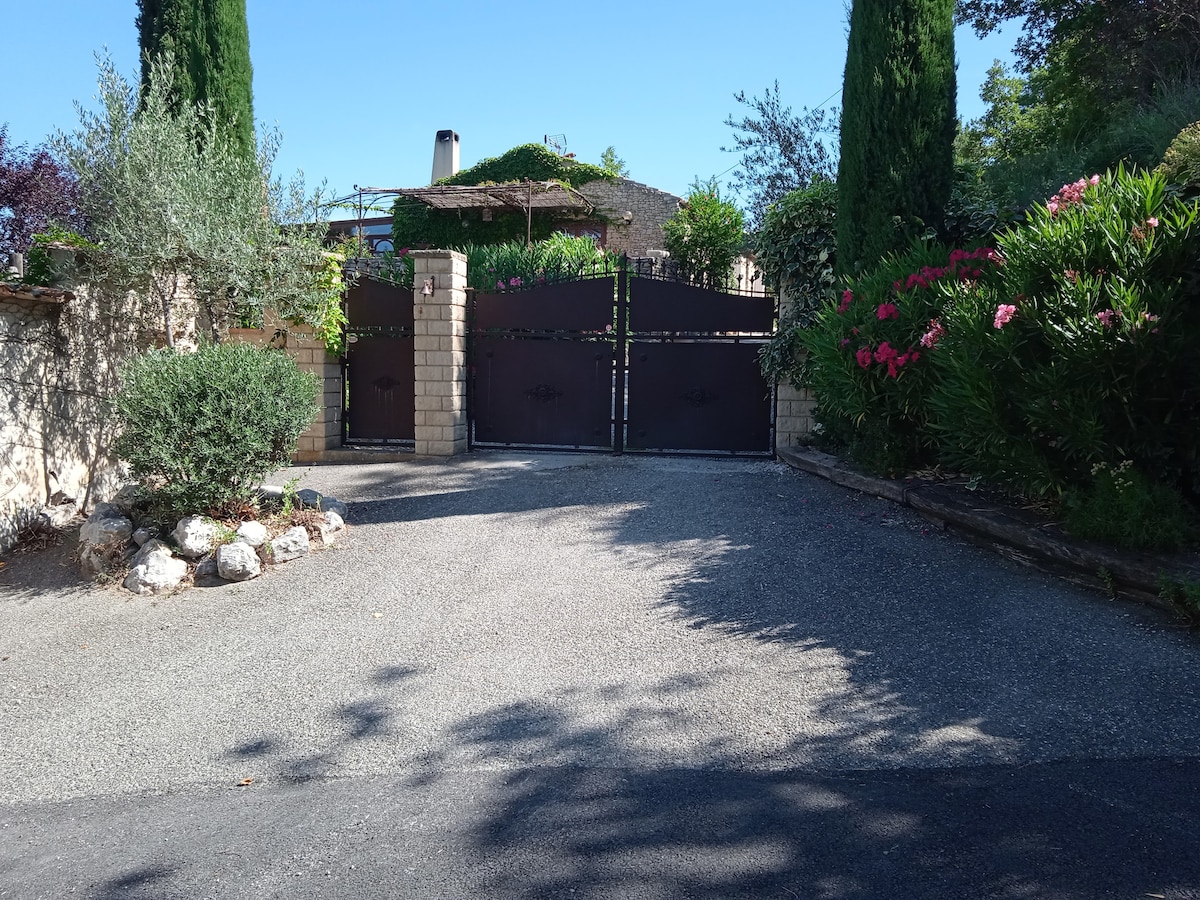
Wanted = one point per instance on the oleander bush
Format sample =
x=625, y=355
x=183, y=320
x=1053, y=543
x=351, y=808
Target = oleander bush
x=867, y=356
x=201, y=430
x=1077, y=354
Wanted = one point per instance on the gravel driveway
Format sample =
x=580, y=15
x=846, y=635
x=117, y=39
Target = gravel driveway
x=553, y=675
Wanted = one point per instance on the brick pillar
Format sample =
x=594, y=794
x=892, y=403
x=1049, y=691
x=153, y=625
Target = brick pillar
x=793, y=406
x=325, y=433
x=440, y=352
x=793, y=415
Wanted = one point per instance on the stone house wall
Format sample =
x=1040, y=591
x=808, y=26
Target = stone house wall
x=649, y=206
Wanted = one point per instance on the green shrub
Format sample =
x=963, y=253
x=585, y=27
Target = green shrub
x=705, y=236
x=200, y=430
x=1181, y=163
x=1121, y=506
x=796, y=248
x=1080, y=349
x=868, y=355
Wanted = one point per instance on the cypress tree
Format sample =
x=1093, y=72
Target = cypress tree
x=898, y=126
x=211, y=43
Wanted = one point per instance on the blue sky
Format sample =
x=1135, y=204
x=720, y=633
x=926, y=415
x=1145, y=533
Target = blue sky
x=358, y=89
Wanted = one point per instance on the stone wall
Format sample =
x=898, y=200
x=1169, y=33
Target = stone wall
x=649, y=206
x=60, y=352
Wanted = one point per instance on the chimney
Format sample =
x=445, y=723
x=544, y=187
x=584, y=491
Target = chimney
x=445, y=155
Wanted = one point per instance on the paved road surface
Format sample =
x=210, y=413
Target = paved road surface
x=576, y=676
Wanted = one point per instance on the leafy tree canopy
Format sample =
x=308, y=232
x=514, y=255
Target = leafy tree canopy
x=781, y=151
x=171, y=198
x=613, y=164
x=35, y=192
x=1094, y=56
x=706, y=235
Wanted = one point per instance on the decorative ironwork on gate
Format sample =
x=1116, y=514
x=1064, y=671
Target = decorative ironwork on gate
x=631, y=360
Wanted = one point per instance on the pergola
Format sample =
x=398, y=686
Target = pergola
x=523, y=195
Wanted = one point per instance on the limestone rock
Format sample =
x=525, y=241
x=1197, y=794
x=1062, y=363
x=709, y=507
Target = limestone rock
x=105, y=532
x=238, y=562
x=271, y=492
x=61, y=514
x=315, y=500
x=330, y=527
x=106, y=511
x=155, y=570
x=195, y=536
x=252, y=533
x=206, y=568
x=127, y=499
x=292, y=544
x=150, y=548
x=94, y=560
x=142, y=535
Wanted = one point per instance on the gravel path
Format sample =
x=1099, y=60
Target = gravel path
x=506, y=614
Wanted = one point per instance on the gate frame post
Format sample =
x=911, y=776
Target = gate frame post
x=620, y=357
x=440, y=352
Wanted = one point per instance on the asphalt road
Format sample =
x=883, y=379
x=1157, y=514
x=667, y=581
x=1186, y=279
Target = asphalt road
x=586, y=676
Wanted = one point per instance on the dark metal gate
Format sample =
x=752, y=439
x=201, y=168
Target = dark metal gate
x=545, y=373
x=379, y=405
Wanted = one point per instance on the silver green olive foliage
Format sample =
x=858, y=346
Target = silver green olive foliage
x=201, y=430
x=173, y=201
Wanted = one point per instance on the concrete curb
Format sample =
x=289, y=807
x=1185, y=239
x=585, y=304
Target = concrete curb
x=1016, y=533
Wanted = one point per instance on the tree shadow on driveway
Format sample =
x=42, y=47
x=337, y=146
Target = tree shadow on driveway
x=945, y=647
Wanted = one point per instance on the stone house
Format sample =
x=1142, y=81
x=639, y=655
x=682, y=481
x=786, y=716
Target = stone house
x=620, y=214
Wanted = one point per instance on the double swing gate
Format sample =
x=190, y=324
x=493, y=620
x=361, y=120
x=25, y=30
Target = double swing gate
x=632, y=360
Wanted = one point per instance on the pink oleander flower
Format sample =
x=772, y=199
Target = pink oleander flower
x=1105, y=317
x=847, y=299
x=864, y=357
x=887, y=311
x=1004, y=314
x=1094, y=180
x=933, y=335
x=514, y=282
x=885, y=354
x=499, y=285
x=845, y=341
x=1152, y=221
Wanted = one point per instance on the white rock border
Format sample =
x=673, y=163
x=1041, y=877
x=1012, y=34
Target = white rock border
x=202, y=548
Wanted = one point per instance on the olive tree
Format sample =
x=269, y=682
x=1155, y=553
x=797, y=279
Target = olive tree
x=176, y=206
